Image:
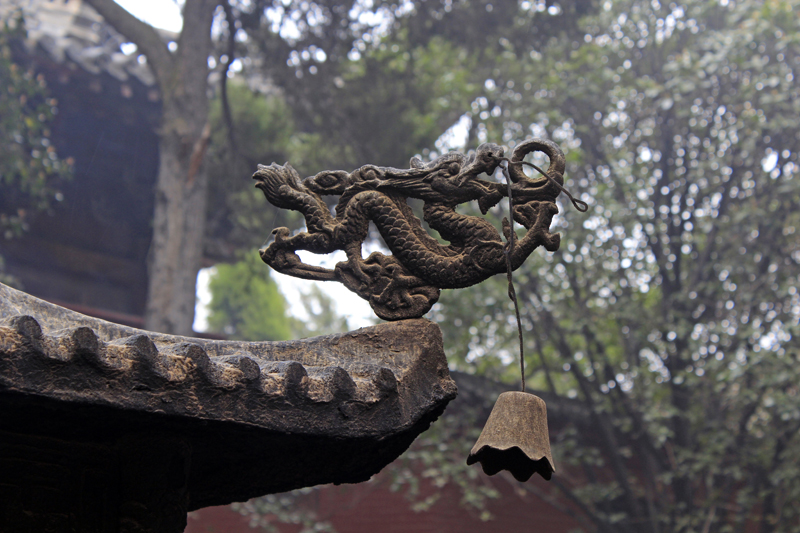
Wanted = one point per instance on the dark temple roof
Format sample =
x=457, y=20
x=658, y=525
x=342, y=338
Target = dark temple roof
x=261, y=417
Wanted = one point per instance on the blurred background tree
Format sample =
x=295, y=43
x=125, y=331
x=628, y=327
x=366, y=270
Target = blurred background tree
x=671, y=311
x=246, y=304
x=307, y=53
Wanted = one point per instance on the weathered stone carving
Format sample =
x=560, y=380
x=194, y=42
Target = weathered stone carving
x=128, y=429
x=407, y=283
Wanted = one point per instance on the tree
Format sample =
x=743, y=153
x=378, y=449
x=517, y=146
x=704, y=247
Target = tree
x=182, y=182
x=324, y=31
x=671, y=310
x=245, y=302
x=238, y=220
x=399, y=77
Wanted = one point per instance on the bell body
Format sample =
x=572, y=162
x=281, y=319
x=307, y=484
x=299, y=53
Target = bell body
x=515, y=438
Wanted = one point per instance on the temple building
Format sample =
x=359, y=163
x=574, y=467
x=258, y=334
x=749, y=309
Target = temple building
x=89, y=252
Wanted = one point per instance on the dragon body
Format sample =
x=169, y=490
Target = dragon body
x=407, y=283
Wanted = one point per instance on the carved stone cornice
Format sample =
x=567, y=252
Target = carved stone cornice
x=256, y=418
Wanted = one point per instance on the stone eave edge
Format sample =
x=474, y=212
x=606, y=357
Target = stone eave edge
x=373, y=382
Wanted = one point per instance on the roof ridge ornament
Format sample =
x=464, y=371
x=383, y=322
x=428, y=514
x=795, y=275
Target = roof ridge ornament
x=407, y=283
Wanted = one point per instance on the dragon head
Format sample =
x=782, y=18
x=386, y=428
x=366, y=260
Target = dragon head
x=486, y=159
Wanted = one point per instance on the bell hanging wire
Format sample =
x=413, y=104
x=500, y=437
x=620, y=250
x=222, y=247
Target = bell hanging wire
x=515, y=437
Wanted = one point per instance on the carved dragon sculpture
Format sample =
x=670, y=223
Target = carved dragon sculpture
x=407, y=283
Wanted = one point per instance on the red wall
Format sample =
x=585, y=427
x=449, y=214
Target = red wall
x=373, y=508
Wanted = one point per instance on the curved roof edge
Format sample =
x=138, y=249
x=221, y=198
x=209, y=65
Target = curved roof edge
x=260, y=417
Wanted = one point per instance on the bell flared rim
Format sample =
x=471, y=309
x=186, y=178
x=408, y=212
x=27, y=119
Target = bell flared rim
x=514, y=459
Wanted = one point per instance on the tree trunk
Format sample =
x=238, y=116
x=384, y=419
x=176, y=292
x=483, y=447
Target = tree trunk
x=178, y=231
x=182, y=184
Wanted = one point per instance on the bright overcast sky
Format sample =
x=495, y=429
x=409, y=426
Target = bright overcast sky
x=165, y=14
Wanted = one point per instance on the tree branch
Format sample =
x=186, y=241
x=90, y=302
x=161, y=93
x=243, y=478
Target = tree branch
x=593, y=405
x=585, y=509
x=194, y=44
x=143, y=35
x=223, y=83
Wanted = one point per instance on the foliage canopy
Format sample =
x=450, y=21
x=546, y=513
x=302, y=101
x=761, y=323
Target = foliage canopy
x=671, y=312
